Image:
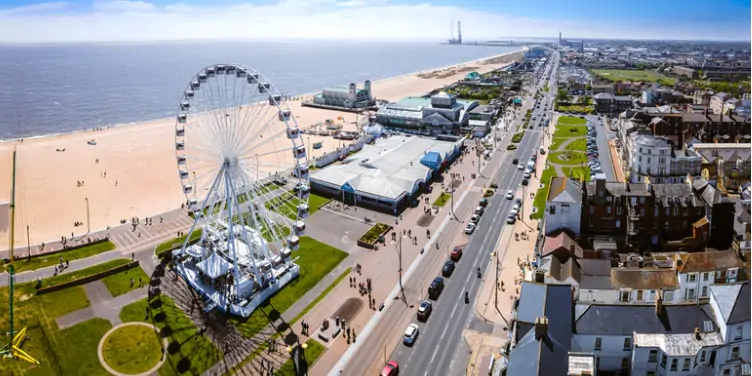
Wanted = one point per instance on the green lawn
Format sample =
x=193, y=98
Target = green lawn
x=570, y=131
x=579, y=144
x=585, y=109
x=72, y=351
x=23, y=264
x=312, y=354
x=632, y=75
x=518, y=137
x=177, y=242
x=120, y=283
x=132, y=349
x=316, y=260
x=577, y=172
x=284, y=207
x=570, y=120
x=539, y=202
x=567, y=158
x=443, y=199
x=196, y=352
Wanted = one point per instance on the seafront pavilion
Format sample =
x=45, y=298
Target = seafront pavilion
x=440, y=114
x=388, y=175
x=348, y=98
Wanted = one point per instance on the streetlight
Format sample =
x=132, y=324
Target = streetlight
x=399, y=254
x=88, y=217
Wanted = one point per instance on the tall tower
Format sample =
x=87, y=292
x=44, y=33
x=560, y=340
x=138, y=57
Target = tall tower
x=560, y=39
x=459, y=32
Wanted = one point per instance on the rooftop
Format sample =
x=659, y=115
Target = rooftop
x=625, y=320
x=564, y=190
x=644, y=278
x=733, y=301
x=709, y=261
x=685, y=344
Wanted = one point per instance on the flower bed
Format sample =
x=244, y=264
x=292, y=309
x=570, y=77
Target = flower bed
x=371, y=237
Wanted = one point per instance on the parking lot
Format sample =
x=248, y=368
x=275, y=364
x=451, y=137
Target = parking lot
x=598, y=136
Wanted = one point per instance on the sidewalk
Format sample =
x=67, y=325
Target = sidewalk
x=616, y=162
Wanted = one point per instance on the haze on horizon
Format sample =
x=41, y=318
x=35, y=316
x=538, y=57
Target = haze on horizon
x=36, y=21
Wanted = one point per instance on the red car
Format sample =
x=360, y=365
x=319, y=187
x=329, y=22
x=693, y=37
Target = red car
x=456, y=254
x=390, y=369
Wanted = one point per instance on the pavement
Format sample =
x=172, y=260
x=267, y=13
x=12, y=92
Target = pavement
x=450, y=315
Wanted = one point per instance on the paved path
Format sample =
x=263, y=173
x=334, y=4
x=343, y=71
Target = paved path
x=103, y=305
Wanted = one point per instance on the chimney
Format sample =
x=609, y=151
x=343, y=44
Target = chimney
x=659, y=305
x=697, y=333
x=541, y=327
x=540, y=276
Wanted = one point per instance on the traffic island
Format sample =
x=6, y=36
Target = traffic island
x=132, y=349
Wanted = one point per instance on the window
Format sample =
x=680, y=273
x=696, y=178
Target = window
x=735, y=352
x=691, y=294
x=592, y=210
x=655, y=212
x=618, y=223
x=624, y=363
x=649, y=160
x=597, y=346
x=652, y=294
x=674, y=364
x=705, y=277
x=639, y=296
x=609, y=199
x=642, y=212
x=608, y=210
x=642, y=200
x=618, y=211
x=627, y=343
x=653, y=356
x=663, y=361
x=703, y=354
x=704, y=292
x=552, y=209
x=668, y=296
x=650, y=373
x=738, y=332
x=726, y=372
x=661, y=160
x=624, y=296
x=691, y=278
x=687, y=362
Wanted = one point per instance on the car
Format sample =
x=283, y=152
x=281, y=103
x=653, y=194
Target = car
x=593, y=154
x=520, y=167
x=525, y=182
x=511, y=219
x=483, y=202
x=424, y=310
x=515, y=161
x=411, y=334
x=542, y=151
x=456, y=254
x=475, y=218
x=470, y=228
x=448, y=268
x=390, y=369
x=515, y=209
x=527, y=175
x=518, y=201
x=479, y=210
x=436, y=287
x=509, y=195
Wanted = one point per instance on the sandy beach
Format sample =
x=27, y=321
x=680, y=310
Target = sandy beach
x=139, y=160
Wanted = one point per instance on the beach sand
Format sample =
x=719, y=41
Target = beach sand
x=142, y=176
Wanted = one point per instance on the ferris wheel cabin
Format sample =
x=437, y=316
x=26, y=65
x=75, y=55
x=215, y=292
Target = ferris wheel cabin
x=284, y=115
x=293, y=133
x=299, y=228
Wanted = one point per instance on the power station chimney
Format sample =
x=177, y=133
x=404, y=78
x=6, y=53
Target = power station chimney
x=459, y=32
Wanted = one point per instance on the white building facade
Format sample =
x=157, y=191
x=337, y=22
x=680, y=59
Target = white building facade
x=654, y=157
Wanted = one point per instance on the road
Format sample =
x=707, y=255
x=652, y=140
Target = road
x=440, y=337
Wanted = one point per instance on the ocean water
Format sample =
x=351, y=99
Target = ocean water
x=65, y=88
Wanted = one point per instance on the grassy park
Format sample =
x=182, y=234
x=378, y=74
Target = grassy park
x=132, y=349
x=614, y=75
x=120, y=283
x=312, y=354
x=22, y=264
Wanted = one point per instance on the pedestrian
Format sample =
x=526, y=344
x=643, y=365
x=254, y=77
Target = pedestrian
x=132, y=282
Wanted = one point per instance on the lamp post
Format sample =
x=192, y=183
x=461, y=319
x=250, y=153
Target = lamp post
x=399, y=255
x=28, y=242
x=88, y=217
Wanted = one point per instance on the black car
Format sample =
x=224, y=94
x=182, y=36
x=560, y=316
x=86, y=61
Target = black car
x=437, y=286
x=515, y=161
x=424, y=310
x=448, y=269
x=524, y=181
x=483, y=202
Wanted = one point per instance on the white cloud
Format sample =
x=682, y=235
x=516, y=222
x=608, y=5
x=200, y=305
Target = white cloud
x=122, y=20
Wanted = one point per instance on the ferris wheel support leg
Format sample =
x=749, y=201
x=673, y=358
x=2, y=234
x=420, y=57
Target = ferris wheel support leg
x=203, y=206
x=233, y=201
x=242, y=223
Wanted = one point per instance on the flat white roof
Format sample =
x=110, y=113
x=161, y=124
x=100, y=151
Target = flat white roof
x=389, y=168
x=678, y=344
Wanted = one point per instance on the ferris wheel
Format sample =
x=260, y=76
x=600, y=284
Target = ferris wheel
x=244, y=172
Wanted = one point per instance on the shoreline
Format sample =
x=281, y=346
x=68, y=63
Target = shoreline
x=141, y=122
x=131, y=170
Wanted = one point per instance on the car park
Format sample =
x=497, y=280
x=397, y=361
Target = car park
x=448, y=268
x=411, y=334
x=424, y=310
x=470, y=228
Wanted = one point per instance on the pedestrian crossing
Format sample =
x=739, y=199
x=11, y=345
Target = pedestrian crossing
x=125, y=236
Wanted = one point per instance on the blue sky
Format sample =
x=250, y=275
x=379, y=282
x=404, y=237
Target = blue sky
x=387, y=19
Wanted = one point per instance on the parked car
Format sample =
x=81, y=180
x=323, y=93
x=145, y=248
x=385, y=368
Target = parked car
x=515, y=209
x=448, y=268
x=424, y=310
x=411, y=334
x=436, y=287
x=475, y=218
x=456, y=254
x=525, y=182
x=511, y=219
x=484, y=201
x=470, y=228
x=390, y=369
x=527, y=175
x=520, y=167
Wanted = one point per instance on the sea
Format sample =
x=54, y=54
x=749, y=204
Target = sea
x=54, y=89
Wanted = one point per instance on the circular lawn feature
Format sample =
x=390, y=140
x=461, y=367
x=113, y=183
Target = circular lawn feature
x=568, y=158
x=132, y=349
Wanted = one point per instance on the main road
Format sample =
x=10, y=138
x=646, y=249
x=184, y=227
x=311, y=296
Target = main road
x=440, y=336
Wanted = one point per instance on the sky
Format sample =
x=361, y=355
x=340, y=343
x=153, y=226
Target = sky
x=36, y=21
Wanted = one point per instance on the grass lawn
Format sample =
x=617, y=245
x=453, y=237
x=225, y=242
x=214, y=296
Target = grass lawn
x=23, y=264
x=316, y=260
x=579, y=144
x=570, y=131
x=177, y=242
x=284, y=207
x=518, y=136
x=577, y=172
x=567, y=158
x=120, y=283
x=585, y=109
x=443, y=199
x=556, y=142
x=132, y=349
x=67, y=277
x=191, y=354
x=539, y=202
x=631, y=75
x=570, y=120
x=312, y=354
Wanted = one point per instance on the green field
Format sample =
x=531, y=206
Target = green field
x=577, y=172
x=539, y=202
x=570, y=120
x=316, y=260
x=71, y=351
x=189, y=350
x=614, y=75
x=570, y=131
x=312, y=354
x=24, y=264
x=132, y=349
x=120, y=283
